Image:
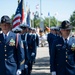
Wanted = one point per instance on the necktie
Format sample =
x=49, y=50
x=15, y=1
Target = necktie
x=66, y=43
x=5, y=37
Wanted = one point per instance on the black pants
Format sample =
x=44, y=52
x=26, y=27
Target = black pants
x=30, y=64
x=25, y=72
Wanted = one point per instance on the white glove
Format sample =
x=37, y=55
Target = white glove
x=32, y=54
x=53, y=73
x=26, y=66
x=18, y=72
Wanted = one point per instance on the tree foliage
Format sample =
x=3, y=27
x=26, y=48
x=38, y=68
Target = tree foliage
x=72, y=19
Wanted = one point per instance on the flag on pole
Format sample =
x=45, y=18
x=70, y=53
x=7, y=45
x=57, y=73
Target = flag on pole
x=28, y=18
x=19, y=15
x=37, y=6
x=48, y=13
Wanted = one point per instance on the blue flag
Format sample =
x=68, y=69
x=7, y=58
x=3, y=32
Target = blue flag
x=48, y=13
x=28, y=18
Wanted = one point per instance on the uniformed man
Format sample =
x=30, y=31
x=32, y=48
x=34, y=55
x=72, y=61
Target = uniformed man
x=57, y=30
x=31, y=49
x=50, y=38
x=36, y=39
x=11, y=50
x=63, y=52
x=24, y=39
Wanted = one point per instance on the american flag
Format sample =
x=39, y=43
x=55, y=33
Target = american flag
x=19, y=15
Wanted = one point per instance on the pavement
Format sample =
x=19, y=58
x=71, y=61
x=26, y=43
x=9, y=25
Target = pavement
x=41, y=65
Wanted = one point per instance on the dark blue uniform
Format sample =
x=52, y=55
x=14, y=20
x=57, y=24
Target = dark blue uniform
x=11, y=58
x=37, y=39
x=26, y=54
x=31, y=49
x=31, y=45
x=50, y=38
x=62, y=58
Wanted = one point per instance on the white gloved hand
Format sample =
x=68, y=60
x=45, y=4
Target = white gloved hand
x=32, y=54
x=26, y=66
x=53, y=73
x=18, y=72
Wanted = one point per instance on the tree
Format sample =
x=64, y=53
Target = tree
x=72, y=19
x=36, y=22
x=36, y=19
x=12, y=17
x=53, y=21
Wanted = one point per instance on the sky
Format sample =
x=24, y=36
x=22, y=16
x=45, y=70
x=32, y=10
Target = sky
x=61, y=9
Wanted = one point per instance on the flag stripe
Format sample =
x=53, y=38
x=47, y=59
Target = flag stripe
x=18, y=20
x=17, y=24
x=23, y=15
x=19, y=15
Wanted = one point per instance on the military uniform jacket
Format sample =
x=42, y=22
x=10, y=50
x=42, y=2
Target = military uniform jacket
x=50, y=38
x=11, y=58
x=37, y=40
x=62, y=58
x=25, y=49
x=31, y=41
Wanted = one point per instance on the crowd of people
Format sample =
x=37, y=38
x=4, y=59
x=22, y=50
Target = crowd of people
x=17, y=49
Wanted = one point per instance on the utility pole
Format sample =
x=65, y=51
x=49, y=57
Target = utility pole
x=41, y=19
x=40, y=9
x=40, y=13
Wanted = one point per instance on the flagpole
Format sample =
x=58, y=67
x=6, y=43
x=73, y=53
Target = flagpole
x=40, y=8
x=49, y=18
x=49, y=21
x=33, y=19
x=40, y=13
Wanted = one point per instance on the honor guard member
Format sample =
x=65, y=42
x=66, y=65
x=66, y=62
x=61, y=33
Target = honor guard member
x=36, y=39
x=31, y=49
x=11, y=50
x=24, y=39
x=50, y=38
x=36, y=36
x=63, y=52
x=57, y=30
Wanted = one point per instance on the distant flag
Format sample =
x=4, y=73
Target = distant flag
x=28, y=17
x=19, y=15
x=37, y=6
x=48, y=13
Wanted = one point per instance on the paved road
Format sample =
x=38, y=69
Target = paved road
x=41, y=67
